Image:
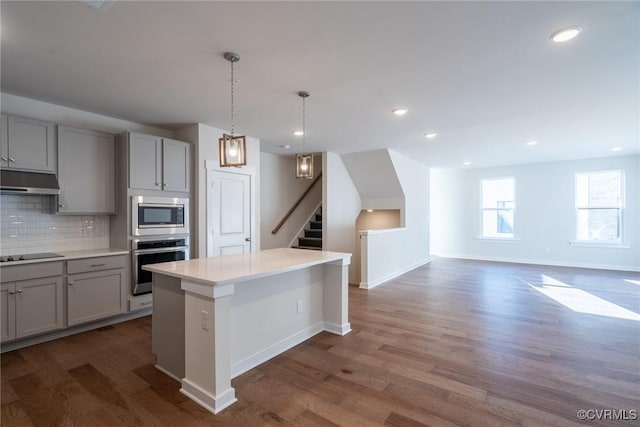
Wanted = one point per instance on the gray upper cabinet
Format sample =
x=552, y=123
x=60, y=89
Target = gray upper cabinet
x=86, y=171
x=158, y=164
x=175, y=165
x=28, y=144
x=145, y=164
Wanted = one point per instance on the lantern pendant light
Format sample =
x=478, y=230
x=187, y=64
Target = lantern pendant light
x=304, y=161
x=232, y=147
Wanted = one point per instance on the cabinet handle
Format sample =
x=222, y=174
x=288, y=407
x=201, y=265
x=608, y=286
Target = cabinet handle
x=4, y=159
x=12, y=292
x=157, y=184
x=247, y=239
x=19, y=291
x=12, y=160
x=98, y=265
x=70, y=283
x=61, y=206
x=164, y=185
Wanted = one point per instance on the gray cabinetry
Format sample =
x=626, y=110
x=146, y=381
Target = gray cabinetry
x=28, y=144
x=158, y=164
x=33, y=305
x=96, y=288
x=86, y=172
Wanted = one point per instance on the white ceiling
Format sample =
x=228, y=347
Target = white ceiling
x=484, y=75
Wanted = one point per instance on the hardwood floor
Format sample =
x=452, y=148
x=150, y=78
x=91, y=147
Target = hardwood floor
x=451, y=343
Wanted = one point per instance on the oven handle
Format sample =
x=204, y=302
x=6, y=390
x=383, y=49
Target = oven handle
x=160, y=250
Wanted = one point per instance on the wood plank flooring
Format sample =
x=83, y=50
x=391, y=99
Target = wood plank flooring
x=452, y=343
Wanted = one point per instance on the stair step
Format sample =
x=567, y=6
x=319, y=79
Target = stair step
x=316, y=225
x=310, y=241
x=319, y=217
x=313, y=233
x=313, y=248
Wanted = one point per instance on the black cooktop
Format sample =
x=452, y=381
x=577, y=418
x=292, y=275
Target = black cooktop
x=27, y=257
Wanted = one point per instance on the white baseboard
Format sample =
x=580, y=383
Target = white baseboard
x=205, y=399
x=373, y=283
x=544, y=262
x=334, y=328
x=72, y=330
x=263, y=355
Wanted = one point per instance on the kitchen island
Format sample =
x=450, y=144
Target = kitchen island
x=215, y=318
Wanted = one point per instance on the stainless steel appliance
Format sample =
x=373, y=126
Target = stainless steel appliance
x=27, y=257
x=156, y=216
x=145, y=252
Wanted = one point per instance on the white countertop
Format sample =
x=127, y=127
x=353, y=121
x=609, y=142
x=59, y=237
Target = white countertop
x=242, y=267
x=69, y=255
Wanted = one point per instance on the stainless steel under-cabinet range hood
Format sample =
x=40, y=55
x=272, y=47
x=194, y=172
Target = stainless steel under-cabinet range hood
x=28, y=183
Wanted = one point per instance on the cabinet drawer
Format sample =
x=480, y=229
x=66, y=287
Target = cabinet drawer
x=31, y=271
x=95, y=264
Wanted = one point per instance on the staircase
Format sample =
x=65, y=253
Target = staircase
x=312, y=234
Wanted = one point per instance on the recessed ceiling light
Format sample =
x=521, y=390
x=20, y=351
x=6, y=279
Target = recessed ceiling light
x=616, y=149
x=399, y=111
x=466, y=163
x=298, y=132
x=430, y=135
x=565, y=34
x=530, y=143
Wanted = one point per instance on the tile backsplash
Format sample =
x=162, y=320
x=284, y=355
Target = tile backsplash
x=28, y=226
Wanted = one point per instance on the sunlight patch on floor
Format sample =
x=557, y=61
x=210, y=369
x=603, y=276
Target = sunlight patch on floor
x=635, y=282
x=581, y=301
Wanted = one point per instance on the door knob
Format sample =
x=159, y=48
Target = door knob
x=247, y=239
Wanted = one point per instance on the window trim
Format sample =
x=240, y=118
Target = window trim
x=481, y=235
x=599, y=243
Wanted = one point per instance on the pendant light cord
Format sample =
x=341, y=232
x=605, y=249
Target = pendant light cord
x=304, y=124
x=232, y=97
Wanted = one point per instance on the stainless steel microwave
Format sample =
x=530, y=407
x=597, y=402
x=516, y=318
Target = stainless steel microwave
x=154, y=216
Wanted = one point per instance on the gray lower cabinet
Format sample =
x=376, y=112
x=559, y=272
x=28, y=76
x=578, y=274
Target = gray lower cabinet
x=96, y=289
x=31, y=307
x=86, y=171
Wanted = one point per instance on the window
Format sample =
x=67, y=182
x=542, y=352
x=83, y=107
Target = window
x=599, y=206
x=498, y=205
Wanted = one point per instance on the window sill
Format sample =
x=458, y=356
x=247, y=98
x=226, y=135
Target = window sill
x=585, y=244
x=498, y=239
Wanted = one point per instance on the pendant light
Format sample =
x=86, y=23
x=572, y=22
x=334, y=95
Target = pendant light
x=232, y=147
x=304, y=161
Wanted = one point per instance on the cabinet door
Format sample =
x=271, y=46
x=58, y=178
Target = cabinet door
x=86, y=171
x=38, y=306
x=145, y=158
x=4, y=144
x=92, y=296
x=8, y=311
x=176, y=162
x=31, y=144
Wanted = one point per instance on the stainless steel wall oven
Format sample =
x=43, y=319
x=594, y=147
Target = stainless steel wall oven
x=144, y=251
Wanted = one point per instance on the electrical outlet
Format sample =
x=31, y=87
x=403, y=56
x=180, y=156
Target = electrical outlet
x=299, y=306
x=204, y=319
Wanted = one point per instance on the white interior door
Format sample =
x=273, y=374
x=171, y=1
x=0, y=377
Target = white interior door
x=228, y=213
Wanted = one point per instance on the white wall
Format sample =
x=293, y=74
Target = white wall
x=280, y=190
x=376, y=220
x=414, y=179
x=205, y=141
x=27, y=107
x=341, y=207
x=545, y=220
x=374, y=176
